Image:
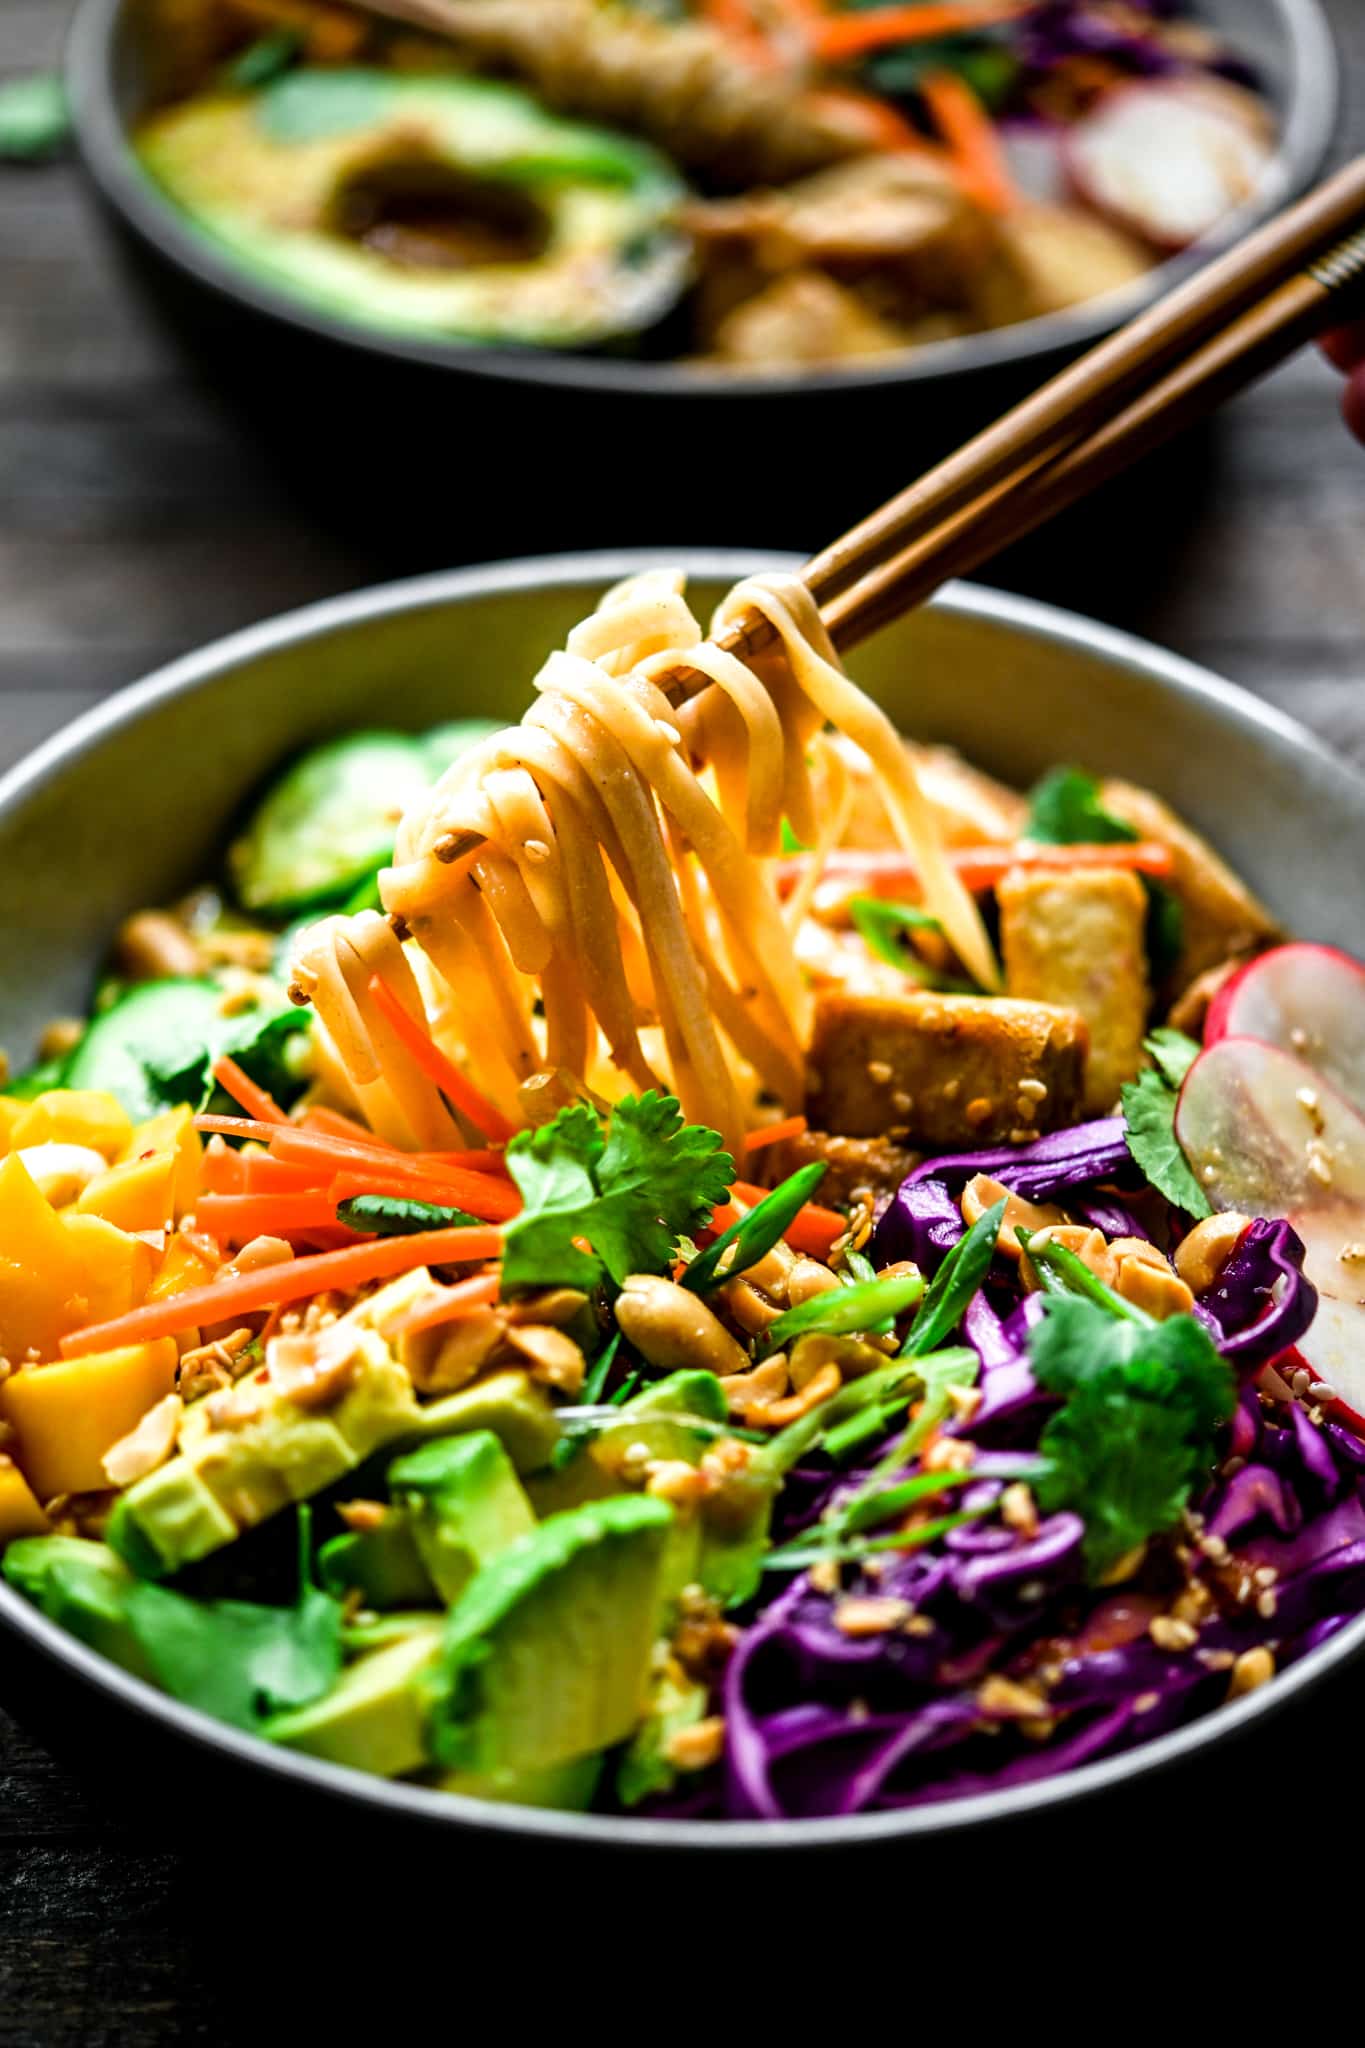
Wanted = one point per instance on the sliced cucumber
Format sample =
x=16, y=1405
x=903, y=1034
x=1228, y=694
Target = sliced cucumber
x=159, y=1026
x=328, y=823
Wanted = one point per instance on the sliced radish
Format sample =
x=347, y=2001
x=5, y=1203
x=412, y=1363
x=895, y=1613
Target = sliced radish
x=1308, y=1000
x=1266, y=1134
x=1168, y=158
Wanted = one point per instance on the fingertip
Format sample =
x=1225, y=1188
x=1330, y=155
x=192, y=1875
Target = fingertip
x=1344, y=347
x=1353, y=403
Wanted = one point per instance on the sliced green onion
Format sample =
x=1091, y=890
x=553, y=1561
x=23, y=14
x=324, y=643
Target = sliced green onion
x=754, y=1235
x=1061, y=1272
x=840, y=1311
x=953, y=1286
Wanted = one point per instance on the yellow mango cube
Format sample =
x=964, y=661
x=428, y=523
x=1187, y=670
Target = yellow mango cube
x=137, y=1194
x=74, y=1116
x=58, y=1273
x=172, y=1132
x=184, y=1264
x=10, y=1113
x=67, y=1416
x=20, y=1514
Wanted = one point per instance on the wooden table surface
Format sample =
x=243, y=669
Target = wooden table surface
x=138, y=520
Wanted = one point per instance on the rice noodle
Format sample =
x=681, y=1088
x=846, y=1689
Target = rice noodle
x=618, y=922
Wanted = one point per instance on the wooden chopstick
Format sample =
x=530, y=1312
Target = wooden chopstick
x=1262, y=336
x=1066, y=409
x=1301, y=274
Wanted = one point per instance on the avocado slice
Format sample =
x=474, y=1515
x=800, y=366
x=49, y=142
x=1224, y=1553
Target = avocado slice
x=676, y=1702
x=381, y=1564
x=83, y=1587
x=372, y=1718
x=429, y=203
x=565, y=1788
x=463, y=1504
x=546, y=1653
x=225, y=1481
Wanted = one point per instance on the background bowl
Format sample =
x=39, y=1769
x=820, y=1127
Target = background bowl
x=302, y=372
x=136, y=800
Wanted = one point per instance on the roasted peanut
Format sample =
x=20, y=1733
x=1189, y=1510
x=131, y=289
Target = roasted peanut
x=1151, y=1285
x=817, y=1349
x=1201, y=1256
x=440, y=1360
x=809, y=1278
x=555, y=1359
x=982, y=1193
x=670, y=1327
x=751, y=1310
x=152, y=945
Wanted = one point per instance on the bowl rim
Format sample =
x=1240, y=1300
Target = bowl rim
x=1313, y=98
x=423, y=1805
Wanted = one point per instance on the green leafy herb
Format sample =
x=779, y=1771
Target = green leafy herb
x=35, y=119
x=1138, y=1431
x=1149, y=1106
x=841, y=1311
x=626, y=1389
x=882, y=925
x=36, y=1080
x=234, y=1659
x=595, y=1383
x=263, y=60
x=630, y=1187
x=754, y=1235
x=953, y=1286
x=269, y=1045
x=1063, y=1273
x=391, y=1216
x=1065, y=810
x=790, y=842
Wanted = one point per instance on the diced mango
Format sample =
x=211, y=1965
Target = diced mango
x=58, y=1273
x=137, y=1194
x=20, y=1514
x=11, y=1112
x=173, y=1131
x=74, y=1116
x=67, y=1416
x=184, y=1264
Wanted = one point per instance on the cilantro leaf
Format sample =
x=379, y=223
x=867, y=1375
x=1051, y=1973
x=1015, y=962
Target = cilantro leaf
x=234, y=1659
x=631, y=1190
x=265, y=1044
x=1065, y=810
x=1174, y=1053
x=1138, y=1429
x=394, y=1216
x=1149, y=1106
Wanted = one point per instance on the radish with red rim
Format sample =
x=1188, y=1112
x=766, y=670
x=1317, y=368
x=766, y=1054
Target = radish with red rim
x=1308, y=1000
x=1168, y=159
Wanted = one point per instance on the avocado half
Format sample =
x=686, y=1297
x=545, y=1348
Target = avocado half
x=429, y=203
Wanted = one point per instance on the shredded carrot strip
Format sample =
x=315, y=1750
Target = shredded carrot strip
x=449, y=1305
x=973, y=140
x=332, y=1124
x=489, y=1160
x=849, y=35
x=740, y=29
x=257, y=1102
x=222, y=1172
x=236, y=1127
x=439, y=1069
x=492, y=1201
x=236, y=1219
x=886, y=871
x=243, y=1293
x=773, y=1134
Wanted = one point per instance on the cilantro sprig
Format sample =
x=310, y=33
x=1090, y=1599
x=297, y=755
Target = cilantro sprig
x=1138, y=1429
x=1065, y=810
x=1149, y=1106
x=627, y=1186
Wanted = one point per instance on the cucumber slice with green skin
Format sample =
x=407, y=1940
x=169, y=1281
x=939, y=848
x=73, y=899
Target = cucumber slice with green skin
x=158, y=1024
x=563, y=233
x=328, y=823
x=444, y=744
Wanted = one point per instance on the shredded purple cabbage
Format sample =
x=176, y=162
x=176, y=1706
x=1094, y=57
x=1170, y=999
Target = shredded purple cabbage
x=820, y=1721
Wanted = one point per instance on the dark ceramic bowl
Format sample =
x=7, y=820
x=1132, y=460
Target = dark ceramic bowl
x=135, y=801
x=342, y=408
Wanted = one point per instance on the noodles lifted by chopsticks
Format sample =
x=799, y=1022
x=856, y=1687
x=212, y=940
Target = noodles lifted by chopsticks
x=618, y=921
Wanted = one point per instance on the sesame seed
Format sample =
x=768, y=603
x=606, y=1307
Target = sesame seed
x=1298, y=1038
x=1266, y=1604
x=536, y=851
x=871, y=1616
x=1169, y=1634
x=901, y=1102
x=1036, y=1091
x=1253, y=1669
x=1209, y=1176
x=879, y=1071
x=1307, y=1098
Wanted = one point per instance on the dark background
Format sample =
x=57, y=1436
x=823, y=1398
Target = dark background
x=142, y=513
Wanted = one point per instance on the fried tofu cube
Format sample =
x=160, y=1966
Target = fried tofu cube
x=853, y=1166
x=1222, y=919
x=1078, y=939
x=944, y=1071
